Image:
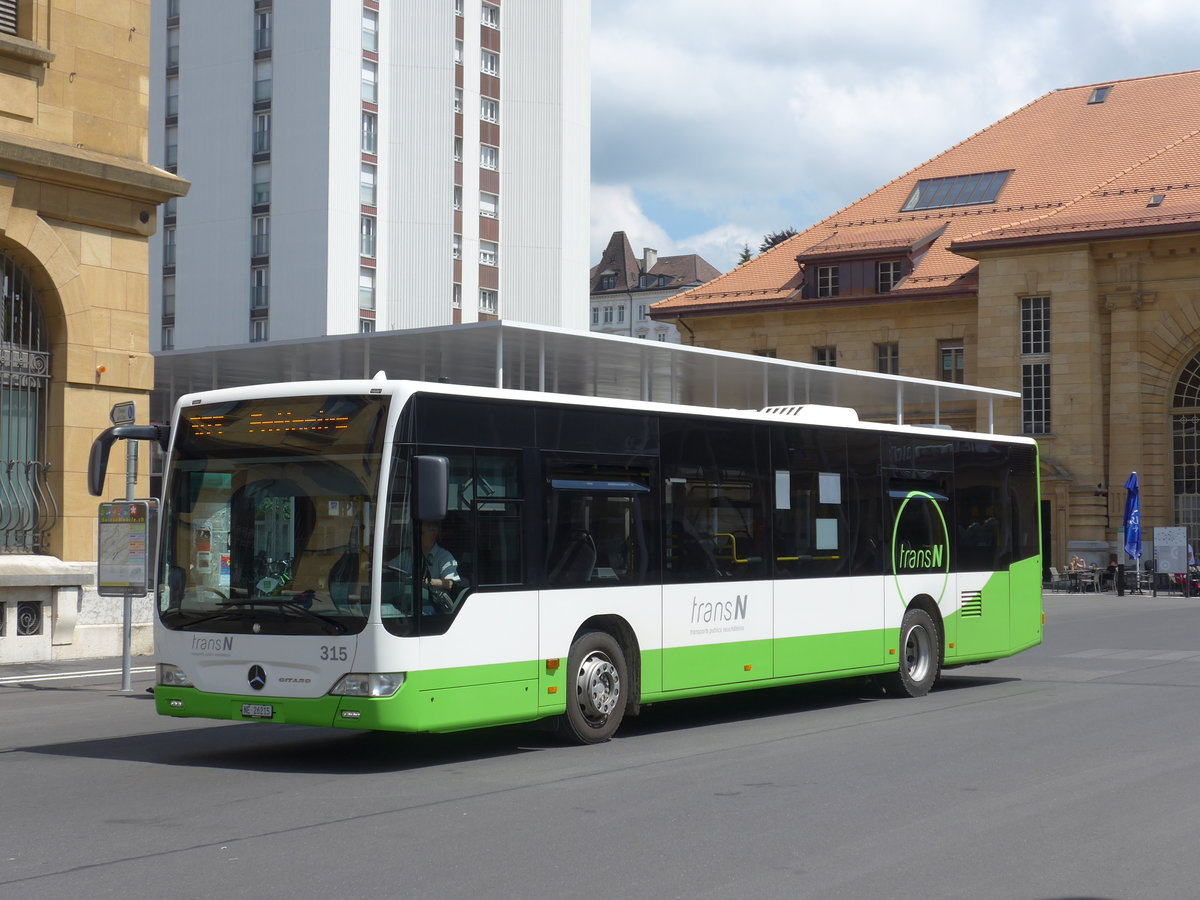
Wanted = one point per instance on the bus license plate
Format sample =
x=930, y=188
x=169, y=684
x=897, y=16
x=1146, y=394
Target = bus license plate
x=257, y=710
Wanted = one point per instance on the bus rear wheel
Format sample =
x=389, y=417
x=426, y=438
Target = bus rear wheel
x=596, y=688
x=920, y=656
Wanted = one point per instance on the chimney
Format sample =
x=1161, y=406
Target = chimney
x=649, y=259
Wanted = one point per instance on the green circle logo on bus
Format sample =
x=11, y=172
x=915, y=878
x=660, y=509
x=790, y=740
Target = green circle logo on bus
x=931, y=558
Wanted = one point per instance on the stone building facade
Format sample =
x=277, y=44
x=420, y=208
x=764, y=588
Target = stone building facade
x=77, y=205
x=1055, y=253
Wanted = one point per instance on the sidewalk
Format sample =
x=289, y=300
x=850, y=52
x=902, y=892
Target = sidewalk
x=105, y=671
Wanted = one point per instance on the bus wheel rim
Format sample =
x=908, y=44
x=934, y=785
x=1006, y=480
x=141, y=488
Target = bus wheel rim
x=597, y=686
x=917, y=652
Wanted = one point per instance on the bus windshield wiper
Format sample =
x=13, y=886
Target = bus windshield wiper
x=289, y=604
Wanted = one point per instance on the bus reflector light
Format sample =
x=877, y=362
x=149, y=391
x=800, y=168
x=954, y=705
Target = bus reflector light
x=373, y=684
x=747, y=668
x=891, y=651
x=951, y=645
x=552, y=665
x=172, y=676
x=553, y=689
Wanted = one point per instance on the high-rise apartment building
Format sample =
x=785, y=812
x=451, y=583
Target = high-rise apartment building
x=368, y=165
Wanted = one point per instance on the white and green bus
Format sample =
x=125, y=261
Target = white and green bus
x=609, y=554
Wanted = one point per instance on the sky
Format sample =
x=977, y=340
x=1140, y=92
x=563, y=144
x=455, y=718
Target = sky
x=715, y=122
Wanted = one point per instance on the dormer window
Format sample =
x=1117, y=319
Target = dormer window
x=887, y=273
x=827, y=281
x=608, y=282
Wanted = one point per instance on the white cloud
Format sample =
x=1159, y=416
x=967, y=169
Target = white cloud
x=710, y=123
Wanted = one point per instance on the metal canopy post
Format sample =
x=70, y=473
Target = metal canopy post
x=899, y=402
x=499, y=357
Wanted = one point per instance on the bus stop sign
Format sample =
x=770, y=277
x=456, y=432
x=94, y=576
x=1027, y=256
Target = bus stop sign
x=123, y=413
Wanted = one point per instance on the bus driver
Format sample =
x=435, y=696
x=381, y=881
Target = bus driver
x=439, y=568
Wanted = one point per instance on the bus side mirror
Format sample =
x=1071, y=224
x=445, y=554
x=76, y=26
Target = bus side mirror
x=98, y=457
x=431, y=487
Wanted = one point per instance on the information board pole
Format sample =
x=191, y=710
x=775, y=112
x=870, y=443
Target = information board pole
x=131, y=461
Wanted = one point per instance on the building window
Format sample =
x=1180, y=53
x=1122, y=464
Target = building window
x=366, y=236
x=168, y=337
x=489, y=109
x=458, y=196
x=172, y=96
x=642, y=312
x=620, y=313
x=458, y=149
x=262, y=81
x=827, y=281
x=595, y=315
x=661, y=337
x=458, y=7
x=952, y=366
x=261, y=194
x=489, y=63
x=456, y=247
x=1035, y=398
x=260, y=287
x=887, y=273
x=370, y=81
x=366, y=288
x=825, y=356
x=172, y=48
x=956, y=190
x=646, y=281
x=1099, y=95
x=488, y=251
x=366, y=326
x=456, y=296
x=168, y=297
x=608, y=282
x=169, y=246
x=259, y=331
x=26, y=495
x=370, y=30
x=489, y=205
x=887, y=358
x=489, y=157
x=490, y=15
x=262, y=132
x=487, y=301
x=262, y=30
x=458, y=53
x=171, y=147
x=370, y=125
x=170, y=207
x=767, y=353
x=366, y=185
x=458, y=95
x=261, y=238
x=608, y=315
x=1035, y=325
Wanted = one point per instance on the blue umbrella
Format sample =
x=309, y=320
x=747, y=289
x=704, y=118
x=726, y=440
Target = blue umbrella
x=1133, y=518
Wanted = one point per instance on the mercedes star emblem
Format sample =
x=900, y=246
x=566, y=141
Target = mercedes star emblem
x=257, y=677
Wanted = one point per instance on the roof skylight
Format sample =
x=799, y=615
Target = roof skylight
x=956, y=190
x=1100, y=94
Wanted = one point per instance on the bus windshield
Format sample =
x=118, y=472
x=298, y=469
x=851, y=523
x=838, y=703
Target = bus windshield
x=268, y=516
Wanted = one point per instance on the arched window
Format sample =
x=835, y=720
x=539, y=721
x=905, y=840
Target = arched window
x=27, y=509
x=1185, y=448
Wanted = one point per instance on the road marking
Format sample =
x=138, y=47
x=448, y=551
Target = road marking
x=1159, y=655
x=52, y=676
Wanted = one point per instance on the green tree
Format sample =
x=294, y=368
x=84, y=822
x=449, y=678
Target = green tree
x=745, y=255
x=775, y=237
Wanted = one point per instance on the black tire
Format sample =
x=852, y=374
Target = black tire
x=597, y=688
x=920, y=656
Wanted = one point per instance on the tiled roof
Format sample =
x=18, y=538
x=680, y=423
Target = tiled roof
x=1070, y=161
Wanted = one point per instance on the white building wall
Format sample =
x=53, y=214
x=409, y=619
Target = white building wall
x=315, y=162
x=545, y=162
x=417, y=127
x=304, y=202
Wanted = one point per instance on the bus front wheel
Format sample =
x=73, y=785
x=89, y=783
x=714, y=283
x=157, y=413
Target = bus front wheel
x=596, y=690
x=920, y=655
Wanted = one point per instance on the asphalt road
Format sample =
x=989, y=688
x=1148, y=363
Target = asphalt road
x=1069, y=771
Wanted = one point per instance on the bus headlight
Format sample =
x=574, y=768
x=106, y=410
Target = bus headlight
x=374, y=684
x=172, y=676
